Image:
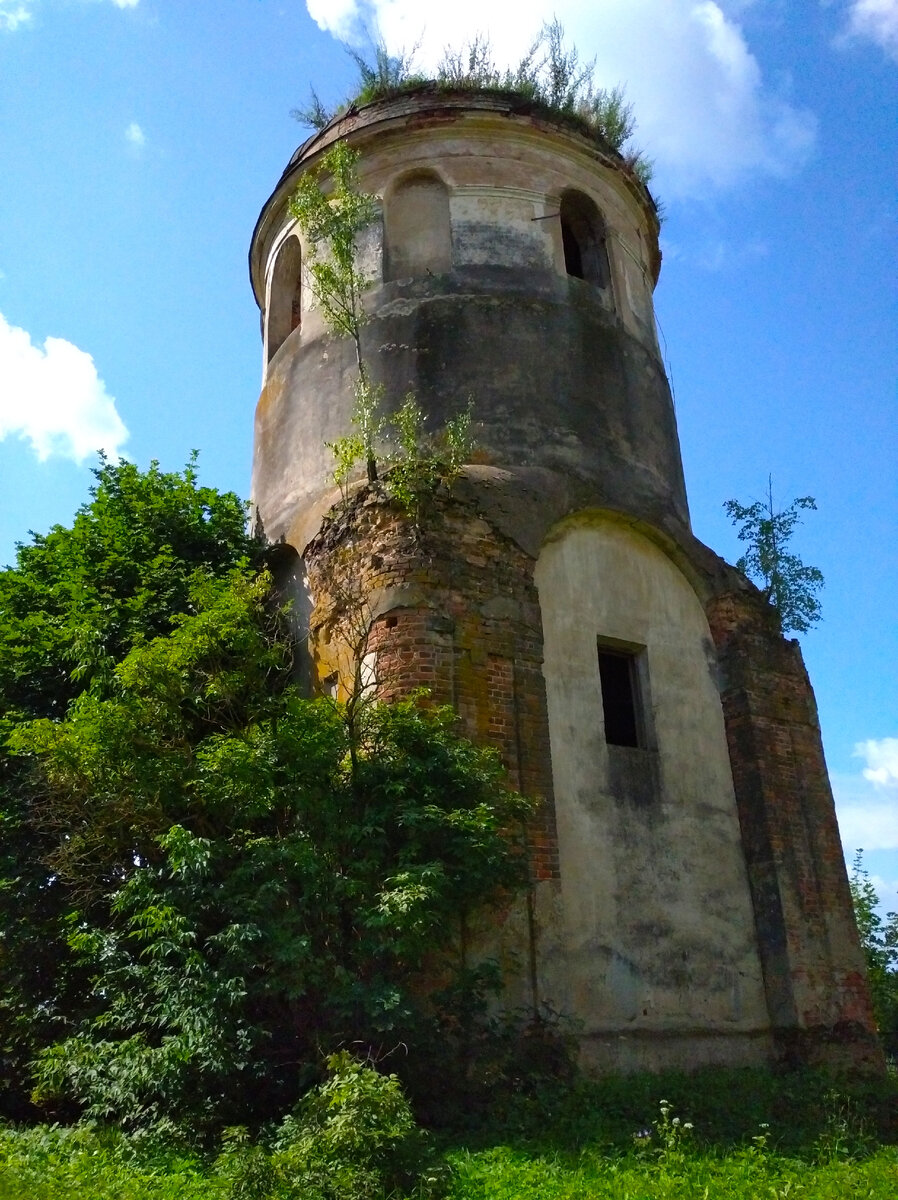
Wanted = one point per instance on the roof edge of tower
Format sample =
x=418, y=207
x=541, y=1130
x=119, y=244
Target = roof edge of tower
x=433, y=100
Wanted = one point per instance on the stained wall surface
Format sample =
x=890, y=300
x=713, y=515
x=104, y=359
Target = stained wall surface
x=658, y=921
x=471, y=300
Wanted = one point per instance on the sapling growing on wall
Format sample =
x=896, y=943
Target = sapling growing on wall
x=331, y=223
x=421, y=462
x=789, y=585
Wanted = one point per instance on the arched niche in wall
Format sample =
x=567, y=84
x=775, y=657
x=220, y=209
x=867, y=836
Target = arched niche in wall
x=417, y=238
x=583, y=240
x=285, y=295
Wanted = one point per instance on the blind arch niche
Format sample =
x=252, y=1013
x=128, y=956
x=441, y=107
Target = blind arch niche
x=417, y=233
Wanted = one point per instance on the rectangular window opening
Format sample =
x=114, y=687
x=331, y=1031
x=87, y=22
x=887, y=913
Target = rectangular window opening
x=621, y=699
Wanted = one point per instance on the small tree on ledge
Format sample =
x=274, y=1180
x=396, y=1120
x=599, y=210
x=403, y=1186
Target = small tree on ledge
x=788, y=584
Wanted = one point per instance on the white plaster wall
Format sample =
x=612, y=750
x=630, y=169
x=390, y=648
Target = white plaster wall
x=657, y=919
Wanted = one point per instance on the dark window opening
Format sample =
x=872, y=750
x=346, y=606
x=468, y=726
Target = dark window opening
x=573, y=259
x=620, y=697
x=296, y=307
x=285, y=297
x=583, y=240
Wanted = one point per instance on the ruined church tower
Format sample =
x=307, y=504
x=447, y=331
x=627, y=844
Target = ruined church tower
x=690, y=901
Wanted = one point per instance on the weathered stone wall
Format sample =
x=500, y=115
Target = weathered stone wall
x=449, y=606
x=662, y=959
x=565, y=375
x=814, y=972
x=690, y=902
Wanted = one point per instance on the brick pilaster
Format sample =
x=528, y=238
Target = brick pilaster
x=814, y=972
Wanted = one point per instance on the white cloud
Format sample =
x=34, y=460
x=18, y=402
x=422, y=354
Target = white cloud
x=53, y=398
x=706, y=114
x=135, y=135
x=13, y=14
x=886, y=890
x=867, y=825
x=876, y=21
x=723, y=255
x=867, y=804
x=339, y=17
x=882, y=761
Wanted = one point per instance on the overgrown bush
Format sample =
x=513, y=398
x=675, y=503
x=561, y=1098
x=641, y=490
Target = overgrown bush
x=355, y=1138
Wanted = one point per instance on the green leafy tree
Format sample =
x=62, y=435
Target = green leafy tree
x=73, y=605
x=879, y=939
x=270, y=894
x=788, y=584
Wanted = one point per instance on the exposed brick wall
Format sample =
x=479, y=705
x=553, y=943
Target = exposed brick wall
x=813, y=966
x=449, y=606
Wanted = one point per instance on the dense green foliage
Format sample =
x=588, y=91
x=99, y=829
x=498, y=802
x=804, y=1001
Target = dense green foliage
x=788, y=584
x=287, y=890
x=76, y=601
x=215, y=880
x=549, y=76
x=879, y=939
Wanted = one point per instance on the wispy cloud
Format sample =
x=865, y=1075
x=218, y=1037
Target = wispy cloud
x=882, y=761
x=13, y=14
x=135, y=136
x=723, y=255
x=875, y=21
x=706, y=114
x=867, y=803
x=886, y=890
x=54, y=398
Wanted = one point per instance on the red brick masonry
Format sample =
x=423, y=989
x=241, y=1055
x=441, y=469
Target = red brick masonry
x=814, y=971
x=450, y=605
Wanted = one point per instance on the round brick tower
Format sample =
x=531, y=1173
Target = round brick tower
x=689, y=901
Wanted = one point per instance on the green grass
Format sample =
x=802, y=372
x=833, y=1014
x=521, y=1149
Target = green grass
x=506, y=1174
x=53, y=1163
x=732, y=1135
x=82, y=1168
x=718, y=1135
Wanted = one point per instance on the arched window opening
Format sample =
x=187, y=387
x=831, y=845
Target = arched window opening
x=416, y=227
x=285, y=296
x=583, y=240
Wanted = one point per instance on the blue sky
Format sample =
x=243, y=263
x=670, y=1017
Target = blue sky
x=139, y=139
